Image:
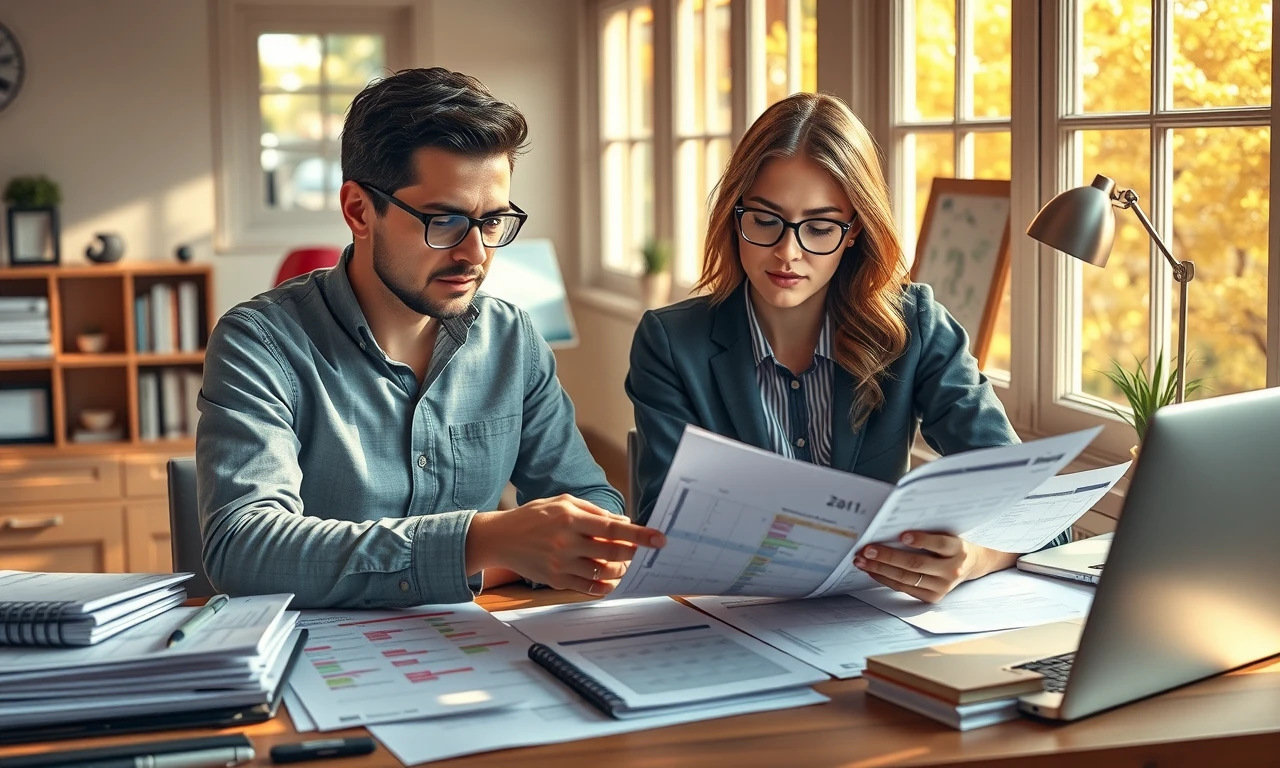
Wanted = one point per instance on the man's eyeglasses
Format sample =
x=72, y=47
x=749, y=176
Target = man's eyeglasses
x=447, y=230
x=817, y=236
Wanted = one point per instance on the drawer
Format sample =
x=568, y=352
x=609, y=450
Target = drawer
x=81, y=538
x=146, y=475
x=147, y=532
x=82, y=478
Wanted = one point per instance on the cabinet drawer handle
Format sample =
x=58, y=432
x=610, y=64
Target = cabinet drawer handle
x=18, y=524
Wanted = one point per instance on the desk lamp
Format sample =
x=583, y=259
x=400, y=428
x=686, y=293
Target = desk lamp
x=1081, y=223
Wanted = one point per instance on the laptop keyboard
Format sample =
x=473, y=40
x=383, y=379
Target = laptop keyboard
x=1055, y=670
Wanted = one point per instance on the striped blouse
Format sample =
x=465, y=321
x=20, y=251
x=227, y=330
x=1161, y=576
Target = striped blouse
x=797, y=408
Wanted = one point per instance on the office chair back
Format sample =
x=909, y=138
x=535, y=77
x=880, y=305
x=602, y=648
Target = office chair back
x=633, y=482
x=301, y=261
x=184, y=527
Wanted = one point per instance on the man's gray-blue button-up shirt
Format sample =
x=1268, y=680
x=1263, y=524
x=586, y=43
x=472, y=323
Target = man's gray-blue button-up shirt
x=327, y=470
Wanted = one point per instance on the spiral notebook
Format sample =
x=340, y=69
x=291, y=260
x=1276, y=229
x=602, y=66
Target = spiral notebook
x=81, y=608
x=635, y=658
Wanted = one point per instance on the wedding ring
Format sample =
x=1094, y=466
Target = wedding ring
x=919, y=579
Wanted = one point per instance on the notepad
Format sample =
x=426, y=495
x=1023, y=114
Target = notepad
x=81, y=608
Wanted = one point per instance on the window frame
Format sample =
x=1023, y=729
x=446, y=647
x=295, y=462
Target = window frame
x=244, y=224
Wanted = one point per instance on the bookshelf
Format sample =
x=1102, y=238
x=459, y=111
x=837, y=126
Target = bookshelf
x=102, y=297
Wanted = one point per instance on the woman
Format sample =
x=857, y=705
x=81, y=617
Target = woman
x=811, y=341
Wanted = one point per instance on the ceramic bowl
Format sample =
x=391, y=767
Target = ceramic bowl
x=97, y=419
x=92, y=343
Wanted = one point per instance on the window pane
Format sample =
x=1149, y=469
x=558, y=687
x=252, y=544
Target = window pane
x=721, y=72
x=335, y=108
x=691, y=68
x=992, y=58
x=354, y=60
x=1221, y=210
x=1221, y=54
x=291, y=119
x=991, y=156
x=1115, y=315
x=775, y=51
x=289, y=62
x=640, y=203
x=935, y=59
x=294, y=180
x=929, y=155
x=1113, y=72
x=640, y=63
x=613, y=76
x=613, y=208
x=698, y=168
x=808, y=46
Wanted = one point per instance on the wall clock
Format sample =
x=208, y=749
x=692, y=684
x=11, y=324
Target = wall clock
x=12, y=67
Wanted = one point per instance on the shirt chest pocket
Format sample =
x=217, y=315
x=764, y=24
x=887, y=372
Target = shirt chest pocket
x=484, y=454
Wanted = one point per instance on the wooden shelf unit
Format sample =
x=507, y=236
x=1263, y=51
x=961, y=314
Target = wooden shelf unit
x=81, y=297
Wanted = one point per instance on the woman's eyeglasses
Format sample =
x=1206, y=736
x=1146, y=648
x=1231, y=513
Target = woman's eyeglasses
x=820, y=237
x=447, y=230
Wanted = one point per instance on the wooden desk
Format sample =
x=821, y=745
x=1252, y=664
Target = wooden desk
x=1226, y=721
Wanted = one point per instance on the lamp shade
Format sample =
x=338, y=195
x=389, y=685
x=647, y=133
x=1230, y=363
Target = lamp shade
x=1079, y=222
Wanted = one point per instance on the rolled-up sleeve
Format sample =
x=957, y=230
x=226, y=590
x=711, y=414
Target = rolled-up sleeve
x=258, y=538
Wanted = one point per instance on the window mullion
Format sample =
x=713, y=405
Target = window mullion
x=1159, y=208
x=1273, y=251
x=962, y=141
x=795, y=29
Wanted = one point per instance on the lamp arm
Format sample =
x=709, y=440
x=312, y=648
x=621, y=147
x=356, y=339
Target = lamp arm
x=1183, y=271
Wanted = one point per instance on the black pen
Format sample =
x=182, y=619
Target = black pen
x=206, y=612
x=314, y=750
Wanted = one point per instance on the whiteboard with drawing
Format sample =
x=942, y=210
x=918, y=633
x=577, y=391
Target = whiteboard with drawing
x=963, y=253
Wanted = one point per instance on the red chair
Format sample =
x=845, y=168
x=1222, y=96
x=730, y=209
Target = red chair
x=300, y=261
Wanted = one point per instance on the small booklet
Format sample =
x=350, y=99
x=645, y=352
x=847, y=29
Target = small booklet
x=744, y=521
x=636, y=658
x=81, y=608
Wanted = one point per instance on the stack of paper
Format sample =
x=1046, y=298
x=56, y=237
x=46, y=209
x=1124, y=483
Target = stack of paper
x=237, y=658
x=81, y=608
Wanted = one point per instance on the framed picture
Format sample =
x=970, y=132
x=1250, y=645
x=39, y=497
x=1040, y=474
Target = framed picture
x=33, y=237
x=26, y=413
x=963, y=253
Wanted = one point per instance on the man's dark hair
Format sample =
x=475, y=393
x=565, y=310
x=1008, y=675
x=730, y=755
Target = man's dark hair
x=414, y=108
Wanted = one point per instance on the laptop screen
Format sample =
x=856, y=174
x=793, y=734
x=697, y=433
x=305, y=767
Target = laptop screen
x=527, y=274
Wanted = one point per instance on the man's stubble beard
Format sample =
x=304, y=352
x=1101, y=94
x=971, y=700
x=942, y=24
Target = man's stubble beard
x=415, y=298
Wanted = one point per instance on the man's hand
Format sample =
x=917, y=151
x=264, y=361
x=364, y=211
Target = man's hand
x=564, y=542
x=946, y=562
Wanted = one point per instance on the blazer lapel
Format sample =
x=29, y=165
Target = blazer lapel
x=845, y=443
x=734, y=371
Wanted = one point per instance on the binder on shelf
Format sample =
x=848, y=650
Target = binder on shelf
x=142, y=322
x=149, y=405
x=172, y=409
x=25, y=304
x=188, y=316
x=191, y=381
x=161, y=319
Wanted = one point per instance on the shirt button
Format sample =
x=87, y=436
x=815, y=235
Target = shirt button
x=404, y=586
x=795, y=383
x=422, y=462
x=799, y=442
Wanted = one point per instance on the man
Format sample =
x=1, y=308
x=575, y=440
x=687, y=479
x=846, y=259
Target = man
x=357, y=424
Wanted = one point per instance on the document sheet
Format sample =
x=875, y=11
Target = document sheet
x=364, y=667
x=1009, y=599
x=1047, y=511
x=744, y=521
x=660, y=653
x=835, y=634
x=565, y=718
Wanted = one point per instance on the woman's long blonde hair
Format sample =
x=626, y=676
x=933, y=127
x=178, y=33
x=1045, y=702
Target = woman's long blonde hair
x=865, y=294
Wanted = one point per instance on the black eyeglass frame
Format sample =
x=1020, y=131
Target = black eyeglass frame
x=426, y=218
x=740, y=210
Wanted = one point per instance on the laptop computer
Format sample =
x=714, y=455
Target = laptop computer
x=1078, y=561
x=1190, y=587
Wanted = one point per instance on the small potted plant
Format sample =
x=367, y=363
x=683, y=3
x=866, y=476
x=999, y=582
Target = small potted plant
x=1146, y=394
x=656, y=282
x=33, y=220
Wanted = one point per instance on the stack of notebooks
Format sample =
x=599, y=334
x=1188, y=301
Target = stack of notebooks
x=970, y=684
x=24, y=328
x=81, y=608
x=234, y=662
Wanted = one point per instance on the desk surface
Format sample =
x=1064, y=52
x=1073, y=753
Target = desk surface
x=1229, y=720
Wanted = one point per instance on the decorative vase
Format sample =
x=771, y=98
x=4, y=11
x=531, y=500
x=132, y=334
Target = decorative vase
x=656, y=289
x=109, y=247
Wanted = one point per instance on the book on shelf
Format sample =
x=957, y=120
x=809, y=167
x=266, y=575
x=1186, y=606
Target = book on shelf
x=142, y=322
x=161, y=319
x=172, y=409
x=191, y=381
x=38, y=305
x=188, y=316
x=149, y=405
x=26, y=351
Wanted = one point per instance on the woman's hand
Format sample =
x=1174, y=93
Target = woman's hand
x=945, y=562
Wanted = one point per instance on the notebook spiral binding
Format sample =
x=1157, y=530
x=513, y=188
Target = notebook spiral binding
x=585, y=685
x=38, y=622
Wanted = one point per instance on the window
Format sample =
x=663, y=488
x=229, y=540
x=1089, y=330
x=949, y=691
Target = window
x=287, y=74
x=666, y=128
x=626, y=134
x=953, y=115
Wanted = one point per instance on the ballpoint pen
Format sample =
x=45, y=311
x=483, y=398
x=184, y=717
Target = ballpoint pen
x=200, y=758
x=215, y=604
